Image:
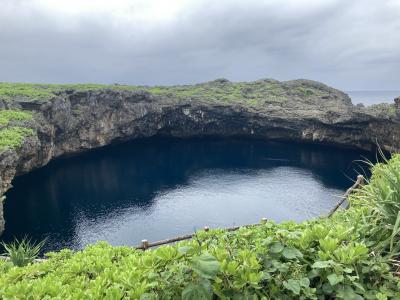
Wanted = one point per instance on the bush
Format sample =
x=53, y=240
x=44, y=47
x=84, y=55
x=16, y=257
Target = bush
x=22, y=253
x=382, y=199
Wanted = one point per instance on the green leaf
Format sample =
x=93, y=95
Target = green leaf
x=293, y=286
x=359, y=286
x=335, y=279
x=276, y=247
x=148, y=296
x=347, y=293
x=291, y=253
x=185, y=249
x=196, y=291
x=305, y=282
x=206, y=266
x=313, y=273
x=245, y=297
x=322, y=264
x=327, y=288
x=381, y=296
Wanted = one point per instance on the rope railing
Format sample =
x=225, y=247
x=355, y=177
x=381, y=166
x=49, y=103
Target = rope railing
x=145, y=244
x=359, y=183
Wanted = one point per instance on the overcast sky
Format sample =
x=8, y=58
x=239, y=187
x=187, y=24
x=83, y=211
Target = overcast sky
x=349, y=44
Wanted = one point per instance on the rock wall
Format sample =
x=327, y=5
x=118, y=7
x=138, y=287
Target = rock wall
x=76, y=121
x=397, y=107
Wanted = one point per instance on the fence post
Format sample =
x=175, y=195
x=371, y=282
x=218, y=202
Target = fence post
x=361, y=180
x=145, y=244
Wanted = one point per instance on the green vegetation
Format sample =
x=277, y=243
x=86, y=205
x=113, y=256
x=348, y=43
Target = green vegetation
x=14, y=127
x=8, y=91
x=252, y=93
x=221, y=90
x=22, y=252
x=382, y=199
x=8, y=116
x=13, y=137
x=387, y=110
x=11, y=91
x=351, y=255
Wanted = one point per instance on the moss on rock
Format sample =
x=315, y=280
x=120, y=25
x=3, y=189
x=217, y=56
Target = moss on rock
x=7, y=116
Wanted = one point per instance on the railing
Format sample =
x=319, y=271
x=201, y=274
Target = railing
x=359, y=183
x=146, y=245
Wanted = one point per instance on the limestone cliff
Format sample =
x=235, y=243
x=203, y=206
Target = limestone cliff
x=72, y=120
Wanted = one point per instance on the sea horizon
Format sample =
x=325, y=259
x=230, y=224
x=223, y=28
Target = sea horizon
x=370, y=97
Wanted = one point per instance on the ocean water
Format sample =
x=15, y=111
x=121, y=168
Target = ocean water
x=373, y=97
x=159, y=188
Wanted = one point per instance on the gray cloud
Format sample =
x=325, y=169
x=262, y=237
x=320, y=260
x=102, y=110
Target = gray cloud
x=347, y=44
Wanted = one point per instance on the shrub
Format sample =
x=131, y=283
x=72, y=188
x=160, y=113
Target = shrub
x=22, y=252
x=7, y=116
x=382, y=199
x=12, y=137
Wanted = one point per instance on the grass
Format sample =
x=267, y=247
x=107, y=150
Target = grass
x=252, y=93
x=347, y=256
x=8, y=116
x=15, y=126
x=13, y=137
x=382, y=110
x=382, y=198
x=11, y=91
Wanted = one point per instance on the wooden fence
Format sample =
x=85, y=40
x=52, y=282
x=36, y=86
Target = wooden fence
x=359, y=183
x=145, y=244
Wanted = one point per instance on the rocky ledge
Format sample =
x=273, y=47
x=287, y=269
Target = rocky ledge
x=71, y=119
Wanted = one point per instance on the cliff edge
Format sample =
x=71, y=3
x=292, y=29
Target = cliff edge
x=42, y=122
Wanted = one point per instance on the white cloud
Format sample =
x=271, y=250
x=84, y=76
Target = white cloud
x=118, y=10
x=349, y=44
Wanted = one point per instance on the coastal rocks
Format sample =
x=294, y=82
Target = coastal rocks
x=8, y=161
x=397, y=107
x=73, y=121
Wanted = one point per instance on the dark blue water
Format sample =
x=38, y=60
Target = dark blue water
x=159, y=188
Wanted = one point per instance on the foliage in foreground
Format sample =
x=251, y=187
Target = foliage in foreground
x=23, y=252
x=347, y=256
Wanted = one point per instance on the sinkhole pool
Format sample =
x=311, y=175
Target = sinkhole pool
x=159, y=188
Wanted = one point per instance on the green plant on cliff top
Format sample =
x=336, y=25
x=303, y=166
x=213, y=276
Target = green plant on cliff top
x=7, y=116
x=13, y=137
x=218, y=90
x=10, y=91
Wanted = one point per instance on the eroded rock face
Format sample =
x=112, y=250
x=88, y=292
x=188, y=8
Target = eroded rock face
x=75, y=121
x=8, y=160
x=397, y=107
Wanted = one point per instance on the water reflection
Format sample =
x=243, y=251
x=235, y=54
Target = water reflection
x=157, y=188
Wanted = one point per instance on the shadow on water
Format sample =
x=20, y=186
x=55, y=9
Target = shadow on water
x=157, y=188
